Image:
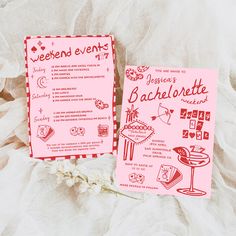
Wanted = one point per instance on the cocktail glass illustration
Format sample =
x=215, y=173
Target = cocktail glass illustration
x=193, y=159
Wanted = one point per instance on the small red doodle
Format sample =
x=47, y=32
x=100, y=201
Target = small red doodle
x=40, y=43
x=199, y=135
x=194, y=114
x=131, y=133
x=45, y=132
x=185, y=133
x=131, y=113
x=189, y=115
x=164, y=114
x=100, y=104
x=183, y=113
x=191, y=134
x=199, y=125
x=192, y=124
x=33, y=49
x=196, y=148
x=136, y=178
x=206, y=135
x=169, y=176
x=197, y=120
x=142, y=68
x=201, y=115
x=131, y=74
x=194, y=158
x=103, y=130
x=42, y=82
x=74, y=131
x=207, y=116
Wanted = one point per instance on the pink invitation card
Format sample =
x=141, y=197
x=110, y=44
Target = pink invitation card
x=167, y=131
x=70, y=96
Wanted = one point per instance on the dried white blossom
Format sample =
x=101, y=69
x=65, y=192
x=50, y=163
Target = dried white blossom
x=84, y=178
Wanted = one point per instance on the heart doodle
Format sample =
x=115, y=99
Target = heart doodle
x=192, y=134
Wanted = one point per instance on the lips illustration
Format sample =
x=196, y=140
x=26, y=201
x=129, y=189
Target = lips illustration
x=42, y=47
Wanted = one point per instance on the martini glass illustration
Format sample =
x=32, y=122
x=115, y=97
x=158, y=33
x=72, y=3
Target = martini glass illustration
x=195, y=158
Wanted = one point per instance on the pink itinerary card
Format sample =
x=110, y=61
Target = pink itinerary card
x=70, y=96
x=167, y=131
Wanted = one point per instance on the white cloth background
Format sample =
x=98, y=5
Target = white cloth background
x=180, y=33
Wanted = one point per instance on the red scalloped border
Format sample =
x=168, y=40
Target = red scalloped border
x=114, y=148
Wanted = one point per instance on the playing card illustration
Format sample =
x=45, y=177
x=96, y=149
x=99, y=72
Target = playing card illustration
x=45, y=132
x=169, y=176
x=192, y=124
x=199, y=125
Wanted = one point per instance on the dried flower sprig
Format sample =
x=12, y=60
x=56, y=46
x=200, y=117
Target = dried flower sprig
x=74, y=174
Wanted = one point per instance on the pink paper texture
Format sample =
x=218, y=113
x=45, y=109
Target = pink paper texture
x=70, y=88
x=167, y=131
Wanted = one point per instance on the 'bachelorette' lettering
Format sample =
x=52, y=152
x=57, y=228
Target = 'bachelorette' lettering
x=197, y=89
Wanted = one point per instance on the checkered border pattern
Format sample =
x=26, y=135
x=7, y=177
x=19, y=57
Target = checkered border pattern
x=114, y=148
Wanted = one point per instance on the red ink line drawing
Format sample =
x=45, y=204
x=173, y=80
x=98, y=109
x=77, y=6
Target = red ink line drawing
x=142, y=68
x=74, y=131
x=191, y=134
x=131, y=151
x=100, y=104
x=185, y=133
x=207, y=116
x=131, y=74
x=206, y=135
x=42, y=82
x=201, y=115
x=192, y=124
x=189, y=114
x=194, y=114
x=199, y=125
x=103, y=130
x=33, y=49
x=183, y=113
x=194, y=158
x=199, y=135
x=131, y=114
x=136, y=132
x=164, y=114
x=128, y=132
x=169, y=176
x=40, y=43
x=136, y=178
x=45, y=132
